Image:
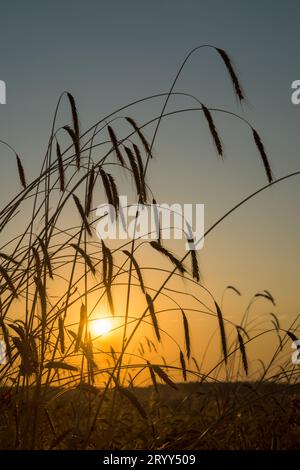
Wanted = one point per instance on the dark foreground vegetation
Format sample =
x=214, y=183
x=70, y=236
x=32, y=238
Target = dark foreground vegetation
x=196, y=416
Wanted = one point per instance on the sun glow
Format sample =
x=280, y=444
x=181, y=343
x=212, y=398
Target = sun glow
x=101, y=326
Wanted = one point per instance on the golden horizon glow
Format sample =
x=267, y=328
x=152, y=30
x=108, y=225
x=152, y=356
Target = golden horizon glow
x=101, y=326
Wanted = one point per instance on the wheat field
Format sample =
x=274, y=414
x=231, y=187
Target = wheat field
x=63, y=384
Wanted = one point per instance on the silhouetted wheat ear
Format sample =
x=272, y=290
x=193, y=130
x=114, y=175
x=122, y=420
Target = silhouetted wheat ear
x=183, y=366
x=8, y=280
x=277, y=323
x=107, y=264
x=138, y=158
x=153, y=378
x=130, y=380
x=74, y=115
x=82, y=324
x=165, y=362
x=148, y=344
x=27, y=350
x=90, y=191
x=278, y=334
x=141, y=170
x=195, y=265
x=186, y=334
x=37, y=261
x=235, y=81
x=263, y=155
x=141, y=136
x=85, y=256
x=137, y=268
x=243, y=330
x=74, y=336
x=157, y=220
x=138, y=179
x=113, y=354
x=213, y=130
x=82, y=214
x=56, y=365
x=196, y=364
x=21, y=172
x=242, y=350
x=90, y=358
x=141, y=349
x=234, y=290
x=19, y=329
x=292, y=335
x=153, y=346
x=61, y=334
x=60, y=167
x=43, y=299
x=114, y=192
x=108, y=274
x=162, y=374
x=133, y=399
x=76, y=144
x=270, y=296
x=266, y=295
x=9, y=258
x=107, y=187
x=46, y=257
x=115, y=143
x=104, y=261
x=222, y=331
x=157, y=246
x=153, y=315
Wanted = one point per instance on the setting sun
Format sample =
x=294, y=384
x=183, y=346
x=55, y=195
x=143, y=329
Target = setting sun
x=101, y=326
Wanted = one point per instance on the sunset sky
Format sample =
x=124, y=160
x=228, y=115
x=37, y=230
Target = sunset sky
x=110, y=53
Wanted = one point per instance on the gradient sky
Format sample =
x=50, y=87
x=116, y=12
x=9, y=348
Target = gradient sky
x=110, y=53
